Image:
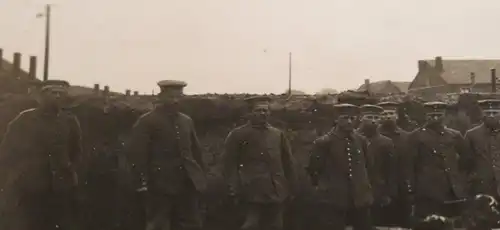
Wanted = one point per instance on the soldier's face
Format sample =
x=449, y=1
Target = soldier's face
x=260, y=112
x=54, y=97
x=491, y=118
x=370, y=119
x=435, y=117
x=171, y=97
x=390, y=115
x=346, y=122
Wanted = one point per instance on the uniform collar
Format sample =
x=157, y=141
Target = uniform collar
x=263, y=126
x=343, y=135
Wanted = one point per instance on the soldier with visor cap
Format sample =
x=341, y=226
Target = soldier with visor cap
x=40, y=155
x=339, y=167
x=259, y=168
x=165, y=158
x=484, y=144
x=389, y=128
x=381, y=150
x=434, y=165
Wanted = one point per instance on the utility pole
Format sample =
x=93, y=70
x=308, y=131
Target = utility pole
x=493, y=80
x=47, y=43
x=290, y=74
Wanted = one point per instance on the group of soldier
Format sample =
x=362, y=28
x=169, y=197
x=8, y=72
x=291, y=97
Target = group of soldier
x=364, y=172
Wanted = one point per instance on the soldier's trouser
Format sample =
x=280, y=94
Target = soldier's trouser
x=46, y=211
x=338, y=218
x=167, y=212
x=426, y=207
x=265, y=216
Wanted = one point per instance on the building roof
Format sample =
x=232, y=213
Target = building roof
x=6, y=69
x=459, y=71
x=380, y=86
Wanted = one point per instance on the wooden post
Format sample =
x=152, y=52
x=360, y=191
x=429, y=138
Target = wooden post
x=1, y=58
x=127, y=92
x=47, y=44
x=106, y=91
x=16, y=65
x=493, y=80
x=32, y=68
x=96, y=89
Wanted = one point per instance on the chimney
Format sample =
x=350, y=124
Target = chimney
x=96, y=88
x=438, y=65
x=1, y=58
x=106, y=90
x=32, y=68
x=472, y=78
x=16, y=64
x=367, y=85
x=422, y=65
x=136, y=93
x=127, y=92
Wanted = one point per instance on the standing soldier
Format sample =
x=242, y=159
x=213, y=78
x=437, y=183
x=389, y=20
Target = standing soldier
x=484, y=144
x=40, y=154
x=432, y=163
x=259, y=168
x=338, y=168
x=381, y=150
x=389, y=128
x=166, y=162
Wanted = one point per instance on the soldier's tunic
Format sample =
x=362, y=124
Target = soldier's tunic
x=339, y=167
x=259, y=167
x=433, y=170
x=39, y=156
x=399, y=137
x=165, y=155
x=484, y=145
x=381, y=150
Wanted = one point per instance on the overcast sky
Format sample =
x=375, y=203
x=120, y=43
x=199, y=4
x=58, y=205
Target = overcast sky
x=242, y=45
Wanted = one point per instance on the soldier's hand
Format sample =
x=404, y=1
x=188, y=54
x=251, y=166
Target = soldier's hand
x=385, y=201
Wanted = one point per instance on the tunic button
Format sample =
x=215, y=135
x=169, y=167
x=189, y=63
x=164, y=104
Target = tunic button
x=348, y=148
x=241, y=165
x=350, y=174
x=180, y=167
x=261, y=153
x=447, y=169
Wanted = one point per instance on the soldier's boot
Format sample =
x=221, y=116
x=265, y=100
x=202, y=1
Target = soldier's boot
x=252, y=220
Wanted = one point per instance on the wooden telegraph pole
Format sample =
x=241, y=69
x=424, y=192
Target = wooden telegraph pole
x=290, y=74
x=47, y=41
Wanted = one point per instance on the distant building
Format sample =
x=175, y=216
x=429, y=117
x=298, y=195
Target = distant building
x=13, y=79
x=452, y=76
x=384, y=87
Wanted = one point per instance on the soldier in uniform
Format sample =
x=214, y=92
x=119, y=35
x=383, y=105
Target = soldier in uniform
x=433, y=165
x=258, y=166
x=166, y=163
x=483, y=142
x=381, y=150
x=339, y=168
x=389, y=128
x=40, y=155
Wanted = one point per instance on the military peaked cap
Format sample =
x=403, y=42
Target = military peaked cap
x=435, y=106
x=258, y=99
x=54, y=85
x=388, y=105
x=346, y=108
x=489, y=104
x=371, y=109
x=171, y=84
